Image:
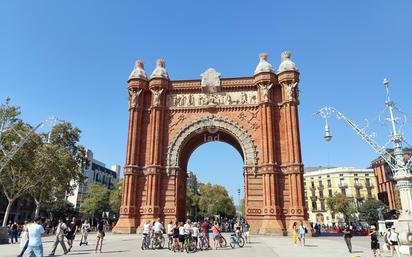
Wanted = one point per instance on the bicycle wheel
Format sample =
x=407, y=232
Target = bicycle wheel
x=222, y=242
x=162, y=242
x=170, y=243
x=143, y=245
x=232, y=242
x=241, y=241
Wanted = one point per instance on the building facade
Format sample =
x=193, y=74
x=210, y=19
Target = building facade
x=321, y=183
x=256, y=114
x=96, y=172
x=387, y=190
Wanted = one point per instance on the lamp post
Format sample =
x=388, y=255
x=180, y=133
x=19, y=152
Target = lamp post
x=401, y=170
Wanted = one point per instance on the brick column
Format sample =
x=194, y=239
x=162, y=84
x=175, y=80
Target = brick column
x=129, y=218
x=293, y=169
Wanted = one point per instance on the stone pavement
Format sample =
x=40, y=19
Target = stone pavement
x=129, y=245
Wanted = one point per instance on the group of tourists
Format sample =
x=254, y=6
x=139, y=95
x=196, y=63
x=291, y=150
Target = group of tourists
x=391, y=238
x=33, y=230
x=195, y=234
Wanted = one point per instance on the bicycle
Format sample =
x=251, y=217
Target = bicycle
x=203, y=242
x=222, y=241
x=158, y=241
x=170, y=242
x=145, y=242
x=236, y=239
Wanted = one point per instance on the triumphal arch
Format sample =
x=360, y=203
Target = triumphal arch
x=169, y=119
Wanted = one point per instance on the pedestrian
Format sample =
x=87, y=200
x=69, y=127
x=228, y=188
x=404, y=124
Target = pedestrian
x=24, y=240
x=295, y=231
x=246, y=233
x=205, y=230
x=375, y=242
x=14, y=233
x=181, y=235
x=158, y=230
x=175, y=235
x=85, y=232
x=347, y=236
x=60, y=232
x=36, y=231
x=100, y=236
x=71, y=232
x=394, y=242
x=215, y=234
x=302, y=233
x=195, y=233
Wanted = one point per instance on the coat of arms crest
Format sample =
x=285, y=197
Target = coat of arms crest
x=210, y=81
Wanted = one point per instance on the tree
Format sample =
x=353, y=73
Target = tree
x=339, y=203
x=96, y=200
x=242, y=207
x=369, y=212
x=215, y=200
x=115, y=198
x=63, y=209
x=18, y=177
x=192, y=201
x=59, y=161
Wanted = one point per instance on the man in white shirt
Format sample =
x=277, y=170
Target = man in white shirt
x=61, y=228
x=158, y=229
x=36, y=231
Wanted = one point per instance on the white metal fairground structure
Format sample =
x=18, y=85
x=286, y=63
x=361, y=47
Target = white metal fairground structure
x=401, y=170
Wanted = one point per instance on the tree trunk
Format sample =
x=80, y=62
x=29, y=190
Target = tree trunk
x=6, y=214
x=37, y=212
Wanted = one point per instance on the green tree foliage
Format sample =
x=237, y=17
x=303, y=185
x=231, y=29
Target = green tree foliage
x=215, y=200
x=339, y=203
x=59, y=161
x=115, y=198
x=96, y=201
x=63, y=209
x=369, y=212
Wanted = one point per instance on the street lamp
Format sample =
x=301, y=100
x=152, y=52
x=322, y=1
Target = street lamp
x=401, y=170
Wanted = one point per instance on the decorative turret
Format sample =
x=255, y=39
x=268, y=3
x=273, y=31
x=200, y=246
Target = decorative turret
x=138, y=71
x=264, y=65
x=160, y=70
x=286, y=64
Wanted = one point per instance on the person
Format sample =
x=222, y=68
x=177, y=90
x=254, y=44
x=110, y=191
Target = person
x=347, y=236
x=195, y=233
x=205, y=230
x=158, y=229
x=176, y=234
x=13, y=233
x=24, y=241
x=71, y=232
x=246, y=233
x=375, y=242
x=169, y=230
x=35, y=245
x=99, y=237
x=394, y=242
x=60, y=231
x=181, y=235
x=85, y=232
x=295, y=231
x=302, y=233
x=146, y=231
x=215, y=234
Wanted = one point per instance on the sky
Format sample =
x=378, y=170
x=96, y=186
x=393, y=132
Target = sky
x=71, y=59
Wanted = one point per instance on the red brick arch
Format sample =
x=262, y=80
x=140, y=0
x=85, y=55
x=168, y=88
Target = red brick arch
x=169, y=119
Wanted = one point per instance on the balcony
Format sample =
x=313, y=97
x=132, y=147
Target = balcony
x=313, y=197
x=313, y=189
x=342, y=185
x=358, y=185
x=370, y=185
x=359, y=197
x=320, y=187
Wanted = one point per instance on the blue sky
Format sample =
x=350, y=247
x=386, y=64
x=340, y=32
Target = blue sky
x=71, y=59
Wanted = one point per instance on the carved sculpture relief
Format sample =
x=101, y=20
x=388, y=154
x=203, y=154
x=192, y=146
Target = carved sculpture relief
x=156, y=96
x=133, y=95
x=210, y=81
x=265, y=90
x=203, y=100
x=290, y=89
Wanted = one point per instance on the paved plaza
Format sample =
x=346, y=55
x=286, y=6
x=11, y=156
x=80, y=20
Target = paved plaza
x=129, y=245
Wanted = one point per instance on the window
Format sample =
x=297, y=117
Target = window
x=343, y=191
x=306, y=195
x=320, y=183
x=330, y=193
x=357, y=183
x=366, y=175
x=358, y=192
x=367, y=182
x=329, y=183
x=340, y=175
x=359, y=203
x=322, y=205
x=314, y=207
x=355, y=175
x=313, y=184
x=321, y=194
x=370, y=193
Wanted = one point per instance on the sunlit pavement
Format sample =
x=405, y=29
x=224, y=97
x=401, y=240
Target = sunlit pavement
x=129, y=245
